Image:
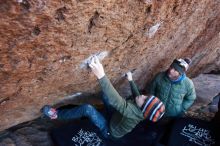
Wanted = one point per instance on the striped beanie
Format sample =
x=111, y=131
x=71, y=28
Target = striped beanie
x=153, y=109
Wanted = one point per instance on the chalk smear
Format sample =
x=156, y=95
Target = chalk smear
x=100, y=55
x=19, y=1
x=153, y=29
x=148, y=1
x=73, y=95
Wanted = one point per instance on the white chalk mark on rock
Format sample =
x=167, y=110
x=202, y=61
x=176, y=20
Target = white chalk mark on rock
x=151, y=32
x=100, y=55
x=67, y=99
x=19, y=1
x=73, y=95
x=148, y=1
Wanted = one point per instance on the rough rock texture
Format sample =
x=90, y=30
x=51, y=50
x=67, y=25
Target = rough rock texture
x=44, y=45
x=207, y=91
x=208, y=95
x=33, y=133
x=207, y=87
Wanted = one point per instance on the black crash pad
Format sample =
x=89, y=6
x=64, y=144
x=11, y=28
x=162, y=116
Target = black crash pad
x=191, y=132
x=84, y=133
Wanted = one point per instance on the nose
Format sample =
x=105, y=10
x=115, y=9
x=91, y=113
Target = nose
x=172, y=70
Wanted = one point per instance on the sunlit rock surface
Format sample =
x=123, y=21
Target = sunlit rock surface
x=45, y=44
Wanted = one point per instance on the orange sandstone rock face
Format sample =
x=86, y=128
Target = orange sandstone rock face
x=45, y=44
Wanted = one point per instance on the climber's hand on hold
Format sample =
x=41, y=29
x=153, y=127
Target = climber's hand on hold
x=97, y=67
x=129, y=76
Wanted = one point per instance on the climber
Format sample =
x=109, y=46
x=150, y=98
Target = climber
x=127, y=113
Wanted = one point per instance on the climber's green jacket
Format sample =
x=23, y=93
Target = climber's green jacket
x=127, y=114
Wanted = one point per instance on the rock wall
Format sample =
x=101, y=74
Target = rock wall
x=44, y=45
